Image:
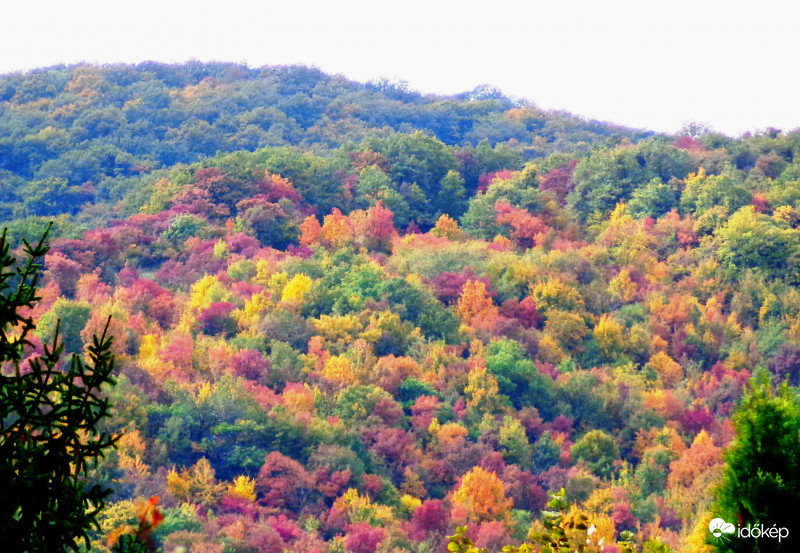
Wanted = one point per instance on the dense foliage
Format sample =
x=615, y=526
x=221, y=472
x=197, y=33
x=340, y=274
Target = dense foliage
x=74, y=134
x=351, y=318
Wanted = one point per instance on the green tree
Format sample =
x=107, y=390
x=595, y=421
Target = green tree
x=452, y=196
x=756, y=241
x=514, y=443
x=415, y=158
x=371, y=182
x=184, y=226
x=52, y=196
x=71, y=318
x=518, y=378
x=653, y=199
x=49, y=416
x=704, y=192
x=598, y=450
x=610, y=176
x=761, y=483
x=374, y=185
x=545, y=453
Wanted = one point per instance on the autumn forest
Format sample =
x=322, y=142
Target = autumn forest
x=351, y=318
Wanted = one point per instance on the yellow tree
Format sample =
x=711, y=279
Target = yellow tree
x=243, y=487
x=482, y=390
x=668, y=369
x=609, y=335
x=450, y=436
x=131, y=449
x=339, y=331
x=299, y=398
x=337, y=229
x=249, y=316
x=447, y=227
x=474, y=301
x=206, y=291
x=339, y=370
x=149, y=360
x=295, y=289
x=622, y=287
x=360, y=508
x=196, y=485
x=555, y=294
x=481, y=497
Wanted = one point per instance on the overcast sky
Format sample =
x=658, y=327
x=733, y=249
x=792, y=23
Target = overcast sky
x=734, y=65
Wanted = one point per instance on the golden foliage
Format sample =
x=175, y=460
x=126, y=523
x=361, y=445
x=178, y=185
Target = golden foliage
x=195, y=485
x=601, y=501
x=409, y=503
x=665, y=403
x=482, y=390
x=446, y=227
x=263, y=272
x=555, y=294
x=786, y=214
x=696, y=541
x=339, y=370
x=670, y=372
x=667, y=437
x=549, y=350
x=609, y=335
x=244, y=487
x=361, y=509
x=206, y=291
x=413, y=487
x=482, y=494
x=131, y=448
x=251, y=314
x=338, y=330
x=299, y=399
x=337, y=229
x=566, y=327
x=149, y=346
x=622, y=287
x=276, y=283
x=605, y=530
x=179, y=485
x=474, y=301
x=451, y=435
x=296, y=288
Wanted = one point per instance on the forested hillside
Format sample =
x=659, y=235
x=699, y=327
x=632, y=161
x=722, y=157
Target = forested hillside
x=350, y=318
x=78, y=134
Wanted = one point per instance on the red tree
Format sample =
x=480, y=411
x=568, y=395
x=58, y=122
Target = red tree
x=282, y=482
x=363, y=538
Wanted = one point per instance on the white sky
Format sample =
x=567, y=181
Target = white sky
x=646, y=63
